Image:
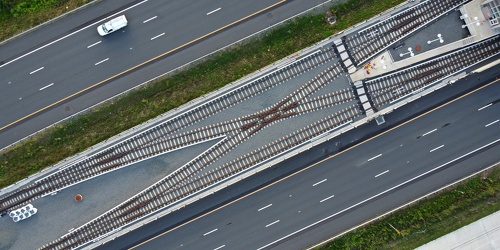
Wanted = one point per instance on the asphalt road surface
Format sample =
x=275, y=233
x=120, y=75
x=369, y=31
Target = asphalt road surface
x=333, y=195
x=75, y=71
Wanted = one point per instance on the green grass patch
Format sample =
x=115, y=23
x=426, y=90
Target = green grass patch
x=69, y=138
x=429, y=219
x=17, y=16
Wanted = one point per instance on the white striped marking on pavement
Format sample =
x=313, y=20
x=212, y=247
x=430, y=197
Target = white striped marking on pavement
x=491, y=123
x=262, y=208
x=327, y=198
x=377, y=195
x=436, y=148
x=46, y=86
x=213, y=11
x=375, y=157
x=94, y=44
x=97, y=63
x=145, y=21
x=272, y=223
x=34, y=71
x=385, y=172
x=219, y=247
x=152, y=38
x=207, y=233
x=484, y=107
x=429, y=132
x=317, y=183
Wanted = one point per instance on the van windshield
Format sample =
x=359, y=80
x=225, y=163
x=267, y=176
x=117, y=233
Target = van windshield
x=104, y=28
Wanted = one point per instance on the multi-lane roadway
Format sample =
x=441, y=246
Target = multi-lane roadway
x=73, y=72
x=427, y=152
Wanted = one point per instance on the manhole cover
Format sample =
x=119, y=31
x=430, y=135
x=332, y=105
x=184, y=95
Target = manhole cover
x=78, y=197
x=418, y=48
x=67, y=108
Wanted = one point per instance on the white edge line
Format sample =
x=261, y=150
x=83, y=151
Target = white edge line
x=479, y=109
x=166, y=73
x=219, y=247
x=262, y=208
x=375, y=157
x=491, y=123
x=46, y=86
x=327, y=198
x=213, y=11
x=36, y=70
x=385, y=172
x=207, y=233
x=317, y=183
x=272, y=223
x=434, y=130
x=145, y=21
x=436, y=148
x=97, y=63
x=379, y=194
x=94, y=44
x=152, y=38
x=402, y=206
x=70, y=34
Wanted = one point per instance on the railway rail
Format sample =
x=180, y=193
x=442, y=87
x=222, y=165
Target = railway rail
x=145, y=145
x=191, y=177
x=392, y=87
x=363, y=45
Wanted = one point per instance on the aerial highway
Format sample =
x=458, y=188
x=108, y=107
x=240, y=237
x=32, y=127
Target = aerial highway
x=57, y=79
x=330, y=196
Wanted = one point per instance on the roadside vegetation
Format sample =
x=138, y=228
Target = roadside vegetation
x=17, y=16
x=430, y=218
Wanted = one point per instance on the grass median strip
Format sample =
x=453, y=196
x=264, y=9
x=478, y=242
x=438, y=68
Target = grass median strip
x=430, y=218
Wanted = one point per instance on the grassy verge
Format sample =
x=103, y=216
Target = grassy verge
x=74, y=136
x=429, y=219
x=17, y=16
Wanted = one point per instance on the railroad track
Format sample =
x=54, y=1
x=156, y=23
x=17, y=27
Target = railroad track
x=145, y=145
x=194, y=176
x=395, y=86
x=368, y=42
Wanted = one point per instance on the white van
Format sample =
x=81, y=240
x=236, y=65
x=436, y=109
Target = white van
x=112, y=25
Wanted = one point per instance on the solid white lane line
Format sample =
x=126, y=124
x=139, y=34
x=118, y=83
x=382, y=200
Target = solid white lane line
x=329, y=197
x=375, y=157
x=46, y=86
x=491, y=123
x=385, y=172
x=94, y=44
x=262, y=208
x=272, y=223
x=484, y=107
x=213, y=11
x=207, y=233
x=34, y=71
x=145, y=21
x=97, y=63
x=377, y=195
x=100, y=21
x=317, y=183
x=219, y=247
x=436, y=148
x=152, y=38
x=429, y=132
